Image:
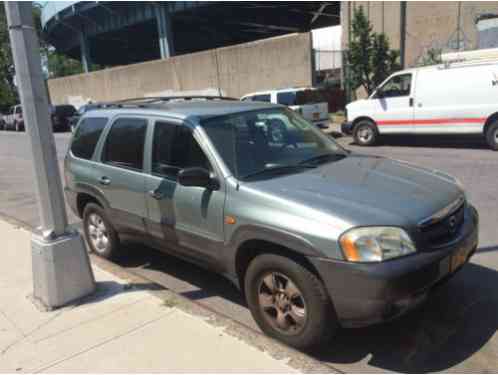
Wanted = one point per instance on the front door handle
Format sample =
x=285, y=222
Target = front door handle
x=156, y=194
x=410, y=102
x=105, y=180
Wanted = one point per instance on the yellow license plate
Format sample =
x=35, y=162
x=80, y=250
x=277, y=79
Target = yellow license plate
x=316, y=116
x=458, y=259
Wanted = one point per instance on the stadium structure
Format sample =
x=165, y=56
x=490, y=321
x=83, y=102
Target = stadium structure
x=119, y=33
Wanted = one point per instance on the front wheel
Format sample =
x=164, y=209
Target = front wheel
x=289, y=302
x=492, y=136
x=365, y=133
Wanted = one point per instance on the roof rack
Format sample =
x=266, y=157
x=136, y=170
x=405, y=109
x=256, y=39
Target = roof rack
x=144, y=101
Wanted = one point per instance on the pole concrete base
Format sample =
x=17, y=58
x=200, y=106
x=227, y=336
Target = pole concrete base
x=61, y=269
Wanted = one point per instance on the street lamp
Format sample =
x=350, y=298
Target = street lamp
x=61, y=267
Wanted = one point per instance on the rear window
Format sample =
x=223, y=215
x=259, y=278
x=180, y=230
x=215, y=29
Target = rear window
x=310, y=97
x=86, y=137
x=64, y=110
x=286, y=98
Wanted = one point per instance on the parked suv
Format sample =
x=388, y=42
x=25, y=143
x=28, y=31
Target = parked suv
x=14, y=120
x=314, y=236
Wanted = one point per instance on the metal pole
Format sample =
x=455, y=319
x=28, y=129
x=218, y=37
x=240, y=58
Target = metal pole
x=70, y=277
x=402, y=33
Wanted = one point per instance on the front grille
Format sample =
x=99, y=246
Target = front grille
x=446, y=229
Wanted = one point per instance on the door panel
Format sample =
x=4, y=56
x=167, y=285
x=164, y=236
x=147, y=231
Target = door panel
x=190, y=218
x=392, y=105
x=120, y=176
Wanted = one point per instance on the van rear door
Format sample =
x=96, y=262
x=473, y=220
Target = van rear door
x=392, y=104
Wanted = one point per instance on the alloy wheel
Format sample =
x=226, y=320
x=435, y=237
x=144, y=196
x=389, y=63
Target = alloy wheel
x=97, y=231
x=282, y=303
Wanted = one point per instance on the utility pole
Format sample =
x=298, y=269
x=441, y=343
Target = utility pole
x=402, y=33
x=61, y=267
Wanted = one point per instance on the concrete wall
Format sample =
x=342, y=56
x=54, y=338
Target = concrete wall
x=271, y=63
x=428, y=24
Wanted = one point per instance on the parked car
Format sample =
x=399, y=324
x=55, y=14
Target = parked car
x=459, y=98
x=81, y=111
x=61, y=116
x=14, y=120
x=315, y=236
x=2, y=121
x=308, y=102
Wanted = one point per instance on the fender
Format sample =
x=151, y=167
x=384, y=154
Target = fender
x=94, y=192
x=277, y=236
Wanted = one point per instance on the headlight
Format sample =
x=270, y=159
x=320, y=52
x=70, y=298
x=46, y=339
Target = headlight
x=375, y=244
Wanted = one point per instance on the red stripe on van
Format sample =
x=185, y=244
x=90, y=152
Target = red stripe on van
x=434, y=121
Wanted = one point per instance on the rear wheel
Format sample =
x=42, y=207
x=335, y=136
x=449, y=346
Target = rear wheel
x=365, y=133
x=99, y=233
x=492, y=136
x=289, y=302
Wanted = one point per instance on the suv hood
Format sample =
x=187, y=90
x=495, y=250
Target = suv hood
x=367, y=190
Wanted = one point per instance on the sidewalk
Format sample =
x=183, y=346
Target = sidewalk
x=118, y=329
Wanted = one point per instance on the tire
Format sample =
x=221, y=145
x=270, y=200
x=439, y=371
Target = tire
x=313, y=307
x=365, y=133
x=492, y=136
x=99, y=232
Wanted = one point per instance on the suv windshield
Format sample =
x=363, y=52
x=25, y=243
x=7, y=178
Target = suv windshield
x=260, y=143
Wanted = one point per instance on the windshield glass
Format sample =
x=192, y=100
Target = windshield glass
x=265, y=140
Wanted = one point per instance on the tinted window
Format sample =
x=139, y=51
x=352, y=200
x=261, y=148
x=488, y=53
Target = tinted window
x=286, y=98
x=125, y=143
x=175, y=148
x=261, y=98
x=86, y=137
x=65, y=110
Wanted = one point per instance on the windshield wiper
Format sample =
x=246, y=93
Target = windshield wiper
x=323, y=158
x=278, y=167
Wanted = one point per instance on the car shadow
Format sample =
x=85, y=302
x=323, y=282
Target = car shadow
x=190, y=281
x=433, y=141
x=458, y=319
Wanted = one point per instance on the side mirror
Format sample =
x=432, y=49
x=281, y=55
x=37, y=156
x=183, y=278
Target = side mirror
x=196, y=176
x=379, y=94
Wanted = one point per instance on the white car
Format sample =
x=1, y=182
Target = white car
x=310, y=103
x=457, y=98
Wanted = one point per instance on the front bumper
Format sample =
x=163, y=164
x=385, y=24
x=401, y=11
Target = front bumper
x=369, y=293
x=347, y=128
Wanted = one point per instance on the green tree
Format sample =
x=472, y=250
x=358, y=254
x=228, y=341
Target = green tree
x=431, y=57
x=8, y=91
x=370, y=58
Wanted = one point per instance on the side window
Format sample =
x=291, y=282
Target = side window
x=125, y=143
x=261, y=98
x=286, y=98
x=86, y=137
x=175, y=148
x=397, y=86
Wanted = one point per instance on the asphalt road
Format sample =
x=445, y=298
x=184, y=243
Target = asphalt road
x=456, y=330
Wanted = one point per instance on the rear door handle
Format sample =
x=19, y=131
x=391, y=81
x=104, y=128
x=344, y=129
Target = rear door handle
x=156, y=194
x=411, y=102
x=105, y=180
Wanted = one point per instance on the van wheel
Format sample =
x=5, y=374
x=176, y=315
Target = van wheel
x=99, y=233
x=365, y=133
x=492, y=136
x=289, y=302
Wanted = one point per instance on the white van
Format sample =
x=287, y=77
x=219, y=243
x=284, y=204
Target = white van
x=457, y=98
x=308, y=102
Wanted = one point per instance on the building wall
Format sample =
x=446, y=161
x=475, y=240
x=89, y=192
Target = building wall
x=428, y=24
x=233, y=71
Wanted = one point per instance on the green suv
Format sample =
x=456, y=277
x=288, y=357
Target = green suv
x=315, y=236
